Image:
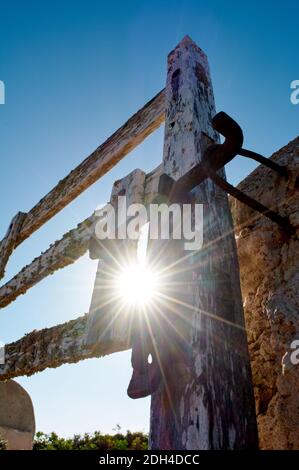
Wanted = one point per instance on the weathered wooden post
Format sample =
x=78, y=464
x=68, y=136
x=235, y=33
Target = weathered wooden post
x=212, y=407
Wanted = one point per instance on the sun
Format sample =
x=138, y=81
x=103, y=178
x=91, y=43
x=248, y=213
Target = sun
x=137, y=285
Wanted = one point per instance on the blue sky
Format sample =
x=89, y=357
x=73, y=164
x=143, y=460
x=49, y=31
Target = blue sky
x=75, y=71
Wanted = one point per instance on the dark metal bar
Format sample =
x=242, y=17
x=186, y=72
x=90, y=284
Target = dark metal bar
x=214, y=158
x=282, y=170
x=283, y=222
x=217, y=156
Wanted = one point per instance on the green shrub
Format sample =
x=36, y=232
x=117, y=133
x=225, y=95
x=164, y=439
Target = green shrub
x=95, y=441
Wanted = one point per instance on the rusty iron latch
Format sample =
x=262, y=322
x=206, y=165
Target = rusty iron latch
x=146, y=377
x=216, y=157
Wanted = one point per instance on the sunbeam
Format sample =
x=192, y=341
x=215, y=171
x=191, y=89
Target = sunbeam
x=137, y=284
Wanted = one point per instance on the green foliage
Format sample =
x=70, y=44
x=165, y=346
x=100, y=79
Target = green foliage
x=95, y=441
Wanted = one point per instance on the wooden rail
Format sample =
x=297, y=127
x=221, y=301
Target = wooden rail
x=60, y=254
x=53, y=347
x=65, y=251
x=107, y=155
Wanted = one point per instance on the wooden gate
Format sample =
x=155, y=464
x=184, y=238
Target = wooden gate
x=212, y=407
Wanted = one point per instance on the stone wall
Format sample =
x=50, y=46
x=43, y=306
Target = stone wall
x=17, y=422
x=270, y=283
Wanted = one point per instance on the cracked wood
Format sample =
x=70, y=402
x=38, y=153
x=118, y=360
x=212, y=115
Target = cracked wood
x=208, y=401
x=53, y=347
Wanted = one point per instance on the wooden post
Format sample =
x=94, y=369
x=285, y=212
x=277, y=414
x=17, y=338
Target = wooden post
x=212, y=407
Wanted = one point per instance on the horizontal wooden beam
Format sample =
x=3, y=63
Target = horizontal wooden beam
x=67, y=250
x=107, y=155
x=60, y=254
x=53, y=347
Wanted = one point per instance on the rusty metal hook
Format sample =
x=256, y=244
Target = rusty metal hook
x=215, y=157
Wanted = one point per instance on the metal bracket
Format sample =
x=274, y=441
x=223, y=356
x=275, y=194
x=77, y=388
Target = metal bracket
x=216, y=157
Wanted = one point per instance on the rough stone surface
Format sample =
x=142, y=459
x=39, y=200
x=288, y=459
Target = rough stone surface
x=16, y=440
x=17, y=423
x=269, y=280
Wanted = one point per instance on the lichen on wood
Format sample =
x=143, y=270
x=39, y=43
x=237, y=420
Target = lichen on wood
x=74, y=243
x=53, y=347
x=107, y=155
x=60, y=254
